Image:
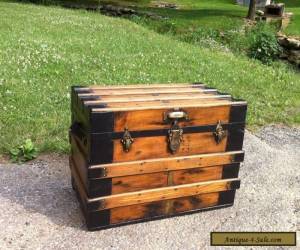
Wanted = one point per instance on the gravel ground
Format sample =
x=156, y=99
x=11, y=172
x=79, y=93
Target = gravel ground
x=39, y=209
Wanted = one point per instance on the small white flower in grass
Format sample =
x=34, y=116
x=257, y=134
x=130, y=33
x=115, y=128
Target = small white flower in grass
x=44, y=46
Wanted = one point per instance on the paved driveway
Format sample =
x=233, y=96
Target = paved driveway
x=39, y=209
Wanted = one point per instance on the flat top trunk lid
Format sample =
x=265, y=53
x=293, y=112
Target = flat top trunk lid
x=147, y=107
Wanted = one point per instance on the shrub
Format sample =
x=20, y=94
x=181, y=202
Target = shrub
x=25, y=152
x=263, y=43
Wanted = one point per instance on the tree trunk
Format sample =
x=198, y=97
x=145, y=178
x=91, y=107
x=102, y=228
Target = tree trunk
x=252, y=9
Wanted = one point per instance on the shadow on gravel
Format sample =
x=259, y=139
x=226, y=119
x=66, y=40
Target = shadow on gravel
x=40, y=188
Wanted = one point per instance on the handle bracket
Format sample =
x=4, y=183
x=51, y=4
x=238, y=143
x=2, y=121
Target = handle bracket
x=219, y=133
x=175, y=114
x=126, y=141
x=175, y=137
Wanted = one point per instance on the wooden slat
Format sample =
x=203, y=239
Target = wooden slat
x=79, y=160
x=161, y=92
x=140, y=211
x=163, y=179
x=156, y=147
x=194, y=175
x=135, y=212
x=165, y=164
x=139, y=182
x=166, y=193
x=151, y=91
x=155, y=99
x=174, y=103
x=79, y=182
x=169, y=106
x=142, y=89
x=147, y=86
x=153, y=119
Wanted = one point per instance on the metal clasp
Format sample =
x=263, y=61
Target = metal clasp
x=175, y=137
x=175, y=133
x=220, y=133
x=126, y=140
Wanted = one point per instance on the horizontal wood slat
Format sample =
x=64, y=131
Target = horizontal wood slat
x=103, y=100
x=193, y=175
x=165, y=164
x=149, y=86
x=134, y=212
x=169, y=106
x=139, y=182
x=153, y=119
x=173, y=102
x=162, y=93
x=151, y=91
x=166, y=193
x=153, y=147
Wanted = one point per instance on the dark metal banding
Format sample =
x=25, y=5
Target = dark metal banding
x=98, y=219
x=99, y=187
x=91, y=98
x=235, y=138
x=226, y=197
x=230, y=171
x=103, y=121
x=238, y=113
x=239, y=157
x=162, y=132
x=235, y=185
x=101, y=151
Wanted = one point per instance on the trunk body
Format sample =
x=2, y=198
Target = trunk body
x=147, y=152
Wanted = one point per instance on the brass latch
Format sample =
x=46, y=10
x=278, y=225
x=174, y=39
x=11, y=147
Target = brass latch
x=175, y=133
x=126, y=140
x=220, y=133
x=175, y=137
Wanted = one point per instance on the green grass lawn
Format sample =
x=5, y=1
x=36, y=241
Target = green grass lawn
x=208, y=14
x=293, y=6
x=45, y=50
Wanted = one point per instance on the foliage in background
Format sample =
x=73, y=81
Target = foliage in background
x=259, y=41
x=263, y=43
x=25, y=152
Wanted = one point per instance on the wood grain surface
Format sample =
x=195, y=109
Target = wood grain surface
x=126, y=199
x=157, y=146
x=154, y=119
x=154, y=98
x=166, y=164
x=148, y=86
x=158, y=208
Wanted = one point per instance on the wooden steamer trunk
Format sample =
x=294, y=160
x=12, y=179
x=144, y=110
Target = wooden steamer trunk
x=146, y=152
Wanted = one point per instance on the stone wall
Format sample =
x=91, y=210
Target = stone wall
x=291, y=48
